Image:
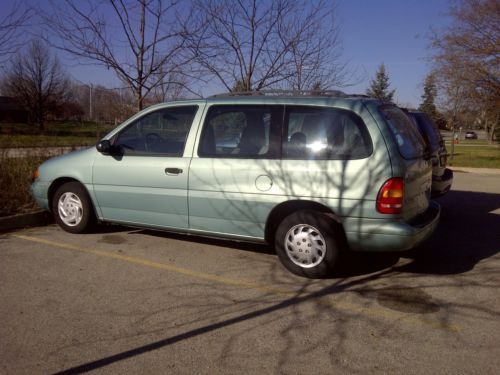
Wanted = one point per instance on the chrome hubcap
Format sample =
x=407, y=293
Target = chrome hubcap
x=70, y=209
x=305, y=246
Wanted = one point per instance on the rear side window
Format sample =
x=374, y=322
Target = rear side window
x=324, y=133
x=408, y=139
x=241, y=132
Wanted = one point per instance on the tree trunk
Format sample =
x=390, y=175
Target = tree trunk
x=39, y=111
x=491, y=135
x=139, y=98
x=40, y=122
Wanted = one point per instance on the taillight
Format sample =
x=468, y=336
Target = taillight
x=391, y=195
x=35, y=174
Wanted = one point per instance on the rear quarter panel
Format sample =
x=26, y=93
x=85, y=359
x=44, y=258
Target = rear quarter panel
x=417, y=172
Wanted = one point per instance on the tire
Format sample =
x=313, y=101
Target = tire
x=72, y=208
x=316, y=246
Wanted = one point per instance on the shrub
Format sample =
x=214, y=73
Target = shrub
x=16, y=174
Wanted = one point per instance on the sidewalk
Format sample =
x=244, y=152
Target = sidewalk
x=495, y=171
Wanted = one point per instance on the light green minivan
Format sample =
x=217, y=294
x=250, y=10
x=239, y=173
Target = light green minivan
x=312, y=175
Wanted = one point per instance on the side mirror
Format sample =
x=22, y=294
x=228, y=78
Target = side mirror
x=104, y=147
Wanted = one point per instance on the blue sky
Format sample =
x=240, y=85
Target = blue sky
x=393, y=32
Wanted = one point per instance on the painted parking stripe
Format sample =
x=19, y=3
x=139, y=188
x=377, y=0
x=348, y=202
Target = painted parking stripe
x=353, y=308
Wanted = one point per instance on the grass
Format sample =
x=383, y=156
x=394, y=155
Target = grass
x=25, y=140
x=57, y=133
x=15, y=181
x=474, y=142
x=475, y=156
x=57, y=128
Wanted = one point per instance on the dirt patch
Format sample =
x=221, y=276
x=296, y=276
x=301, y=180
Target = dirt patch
x=112, y=239
x=411, y=300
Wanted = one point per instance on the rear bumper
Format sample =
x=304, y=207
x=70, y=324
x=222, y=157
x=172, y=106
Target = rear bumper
x=442, y=184
x=391, y=235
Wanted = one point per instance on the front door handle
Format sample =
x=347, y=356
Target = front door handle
x=173, y=171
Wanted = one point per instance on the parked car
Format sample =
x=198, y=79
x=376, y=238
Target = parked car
x=442, y=177
x=470, y=135
x=314, y=176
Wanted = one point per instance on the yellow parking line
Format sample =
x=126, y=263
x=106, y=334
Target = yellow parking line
x=353, y=308
x=162, y=266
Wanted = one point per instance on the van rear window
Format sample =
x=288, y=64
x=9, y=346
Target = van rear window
x=410, y=143
x=428, y=129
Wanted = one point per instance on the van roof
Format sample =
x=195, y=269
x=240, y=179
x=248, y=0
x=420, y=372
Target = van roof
x=323, y=98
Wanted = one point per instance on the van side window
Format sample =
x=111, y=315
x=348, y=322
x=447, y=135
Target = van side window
x=324, y=134
x=161, y=132
x=241, y=132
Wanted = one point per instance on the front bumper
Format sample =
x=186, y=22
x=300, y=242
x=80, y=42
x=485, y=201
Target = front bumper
x=40, y=193
x=391, y=235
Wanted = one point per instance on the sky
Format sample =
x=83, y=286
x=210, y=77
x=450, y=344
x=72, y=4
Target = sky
x=372, y=32
x=392, y=32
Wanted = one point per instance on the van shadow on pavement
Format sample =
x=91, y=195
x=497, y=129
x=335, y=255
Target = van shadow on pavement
x=468, y=232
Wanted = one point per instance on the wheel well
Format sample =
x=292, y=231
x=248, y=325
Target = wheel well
x=55, y=185
x=284, y=209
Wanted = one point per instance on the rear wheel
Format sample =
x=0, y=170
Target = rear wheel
x=308, y=243
x=73, y=209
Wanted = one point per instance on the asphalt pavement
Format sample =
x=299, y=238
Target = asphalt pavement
x=137, y=301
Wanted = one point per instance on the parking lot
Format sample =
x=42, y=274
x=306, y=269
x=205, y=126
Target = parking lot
x=137, y=301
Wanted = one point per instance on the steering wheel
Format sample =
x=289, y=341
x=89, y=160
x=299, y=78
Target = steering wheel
x=152, y=140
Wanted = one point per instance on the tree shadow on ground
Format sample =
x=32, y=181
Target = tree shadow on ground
x=466, y=235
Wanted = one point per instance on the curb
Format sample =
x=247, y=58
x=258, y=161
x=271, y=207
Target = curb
x=19, y=221
x=458, y=169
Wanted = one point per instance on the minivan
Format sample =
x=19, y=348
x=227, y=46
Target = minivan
x=313, y=175
x=442, y=177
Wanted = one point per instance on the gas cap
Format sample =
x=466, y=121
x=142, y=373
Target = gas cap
x=263, y=183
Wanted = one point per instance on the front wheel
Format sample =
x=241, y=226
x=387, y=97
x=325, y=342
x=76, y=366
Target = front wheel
x=73, y=209
x=308, y=243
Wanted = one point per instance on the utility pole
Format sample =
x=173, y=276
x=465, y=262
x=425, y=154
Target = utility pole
x=90, y=102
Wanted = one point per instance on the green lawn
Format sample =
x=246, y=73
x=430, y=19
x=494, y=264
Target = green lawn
x=57, y=133
x=7, y=141
x=56, y=128
x=475, y=156
x=477, y=142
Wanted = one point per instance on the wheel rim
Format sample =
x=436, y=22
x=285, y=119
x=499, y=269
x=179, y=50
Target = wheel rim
x=70, y=209
x=305, y=246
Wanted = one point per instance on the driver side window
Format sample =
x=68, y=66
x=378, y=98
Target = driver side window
x=161, y=132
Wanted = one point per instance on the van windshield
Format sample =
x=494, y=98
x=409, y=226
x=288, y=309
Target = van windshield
x=410, y=143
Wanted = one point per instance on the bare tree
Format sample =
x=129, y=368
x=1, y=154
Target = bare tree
x=315, y=49
x=140, y=40
x=258, y=44
x=11, y=29
x=173, y=87
x=467, y=55
x=37, y=79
